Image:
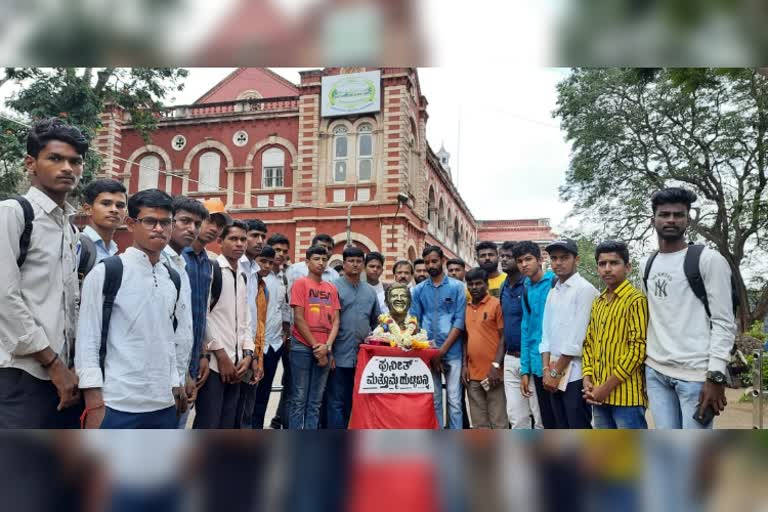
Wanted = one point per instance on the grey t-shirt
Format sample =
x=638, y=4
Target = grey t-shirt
x=359, y=316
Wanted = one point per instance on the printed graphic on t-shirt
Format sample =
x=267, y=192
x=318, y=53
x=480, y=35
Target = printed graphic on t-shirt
x=659, y=285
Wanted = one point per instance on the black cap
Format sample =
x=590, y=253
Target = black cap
x=567, y=245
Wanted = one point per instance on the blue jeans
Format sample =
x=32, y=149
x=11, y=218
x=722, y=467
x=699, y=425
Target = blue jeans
x=454, y=389
x=619, y=416
x=673, y=402
x=307, y=388
x=162, y=419
x=165, y=499
x=341, y=386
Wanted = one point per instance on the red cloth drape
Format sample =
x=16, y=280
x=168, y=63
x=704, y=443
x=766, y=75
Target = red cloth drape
x=392, y=410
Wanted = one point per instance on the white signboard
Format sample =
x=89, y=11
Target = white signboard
x=356, y=93
x=385, y=374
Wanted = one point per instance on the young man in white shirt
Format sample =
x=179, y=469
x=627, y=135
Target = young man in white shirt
x=188, y=216
x=566, y=316
x=688, y=343
x=227, y=336
x=146, y=361
x=374, y=267
x=38, y=388
x=105, y=202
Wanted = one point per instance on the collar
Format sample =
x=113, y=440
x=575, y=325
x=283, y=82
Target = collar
x=223, y=262
x=140, y=257
x=199, y=257
x=173, y=255
x=251, y=266
x=46, y=203
x=443, y=282
x=624, y=288
x=483, y=301
x=569, y=282
x=94, y=235
x=519, y=282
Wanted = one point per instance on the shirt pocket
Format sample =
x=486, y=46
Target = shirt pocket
x=446, y=305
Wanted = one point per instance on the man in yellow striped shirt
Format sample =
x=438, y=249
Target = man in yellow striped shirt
x=614, y=348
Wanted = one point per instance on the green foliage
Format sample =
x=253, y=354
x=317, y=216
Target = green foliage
x=747, y=377
x=636, y=131
x=79, y=95
x=756, y=331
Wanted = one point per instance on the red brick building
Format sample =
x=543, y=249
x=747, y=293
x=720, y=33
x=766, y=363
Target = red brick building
x=271, y=149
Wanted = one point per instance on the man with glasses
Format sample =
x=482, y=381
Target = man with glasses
x=146, y=359
x=188, y=216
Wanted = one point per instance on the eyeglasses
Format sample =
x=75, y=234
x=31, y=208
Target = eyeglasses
x=151, y=222
x=186, y=221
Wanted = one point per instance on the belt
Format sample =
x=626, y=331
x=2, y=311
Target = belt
x=513, y=353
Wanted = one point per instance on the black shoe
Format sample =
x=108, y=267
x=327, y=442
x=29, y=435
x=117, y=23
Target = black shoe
x=276, y=424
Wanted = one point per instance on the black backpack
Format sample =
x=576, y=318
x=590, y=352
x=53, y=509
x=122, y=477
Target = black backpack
x=693, y=275
x=87, y=246
x=216, y=284
x=113, y=278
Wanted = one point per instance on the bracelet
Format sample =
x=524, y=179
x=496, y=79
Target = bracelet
x=50, y=363
x=85, y=414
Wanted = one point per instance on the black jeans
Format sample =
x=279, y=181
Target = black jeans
x=545, y=406
x=29, y=402
x=216, y=404
x=569, y=408
x=281, y=418
x=264, y=387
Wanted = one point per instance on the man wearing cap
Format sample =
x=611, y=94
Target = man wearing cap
x=566, y=316
x=200, y=272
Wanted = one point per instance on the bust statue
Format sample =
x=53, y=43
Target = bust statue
x=397, y=328
x=398, y=299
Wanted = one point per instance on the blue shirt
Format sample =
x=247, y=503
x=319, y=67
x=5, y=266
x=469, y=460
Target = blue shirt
x=199, y=270
x=102, y=251
x=359, y=316
x=511, y=296
x=439, y=309
x=530, y=335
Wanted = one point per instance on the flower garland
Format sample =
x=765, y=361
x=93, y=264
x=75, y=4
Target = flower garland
x=410, y=338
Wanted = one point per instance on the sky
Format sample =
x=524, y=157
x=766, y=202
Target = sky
x=508, y=155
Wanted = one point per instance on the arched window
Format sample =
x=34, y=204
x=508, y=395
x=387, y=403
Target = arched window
x=340, y=154
x=273, y=168
x=432, y=209
x=456, y=233
x=365, y=153
x=149, y=172
x=441, y=217
x=210, y=164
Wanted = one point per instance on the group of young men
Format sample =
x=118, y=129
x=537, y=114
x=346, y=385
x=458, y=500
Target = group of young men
x=95, y=339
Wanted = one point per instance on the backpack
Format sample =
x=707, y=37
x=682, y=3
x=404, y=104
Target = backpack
x=694, y=277
x=216, y=284
x=87, y=246
x=113, y=278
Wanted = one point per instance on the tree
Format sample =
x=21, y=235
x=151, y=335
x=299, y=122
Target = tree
x=638, y=130
x=79, y=95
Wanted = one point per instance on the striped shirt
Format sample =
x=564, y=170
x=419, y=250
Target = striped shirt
x=615, y=344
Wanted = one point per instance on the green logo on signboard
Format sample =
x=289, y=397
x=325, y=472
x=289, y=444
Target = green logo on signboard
x=352, y=93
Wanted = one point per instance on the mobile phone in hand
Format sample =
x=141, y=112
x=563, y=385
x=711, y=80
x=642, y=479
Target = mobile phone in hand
x=706, y=418
x=486, y=384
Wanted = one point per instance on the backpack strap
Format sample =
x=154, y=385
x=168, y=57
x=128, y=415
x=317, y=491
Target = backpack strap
x=693, y=274
x=87, y=255
x=26, y=236
x=525, y=300
x=176, y=278
x=113, y=277
x=216, y=283
x=647, y=272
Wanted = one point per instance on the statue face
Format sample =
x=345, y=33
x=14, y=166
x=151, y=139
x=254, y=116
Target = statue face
x=399, y=301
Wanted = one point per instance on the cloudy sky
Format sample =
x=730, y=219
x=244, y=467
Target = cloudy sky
x=510, y=157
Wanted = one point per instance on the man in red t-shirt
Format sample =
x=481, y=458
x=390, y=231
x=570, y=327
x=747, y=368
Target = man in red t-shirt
x=316, y=308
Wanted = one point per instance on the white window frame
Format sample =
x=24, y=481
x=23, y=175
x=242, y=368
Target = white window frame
x=339, y=132
x=365, y=130
x=149, y=175
x=208, y=179
x=271, y=166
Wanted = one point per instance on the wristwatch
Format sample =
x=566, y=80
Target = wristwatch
x=496, y=365
x=716, y=377
x=247, y=353
x=554, y=373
